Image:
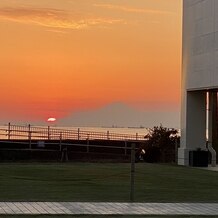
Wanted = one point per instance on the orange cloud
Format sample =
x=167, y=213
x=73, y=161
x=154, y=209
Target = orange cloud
x=53, y=18
x=133, y=10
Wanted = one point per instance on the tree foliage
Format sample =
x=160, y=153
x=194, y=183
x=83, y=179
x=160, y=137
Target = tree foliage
x=161, y=144
x=162, y=137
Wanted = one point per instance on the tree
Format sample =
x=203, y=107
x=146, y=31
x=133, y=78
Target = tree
x=161, y=144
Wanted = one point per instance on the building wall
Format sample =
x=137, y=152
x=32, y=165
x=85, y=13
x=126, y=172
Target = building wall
x=199, y=71
x=200, y=44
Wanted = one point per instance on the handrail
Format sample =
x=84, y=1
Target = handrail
x=213, y=154
x=53, y=133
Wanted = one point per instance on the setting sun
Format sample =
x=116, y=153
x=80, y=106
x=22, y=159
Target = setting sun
x=51, y=119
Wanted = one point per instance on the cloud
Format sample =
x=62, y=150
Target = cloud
x=53, y=18
x=133, y=10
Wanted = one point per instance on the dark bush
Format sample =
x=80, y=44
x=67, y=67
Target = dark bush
x=161, y=145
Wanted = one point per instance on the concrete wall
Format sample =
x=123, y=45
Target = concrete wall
x=193, y=125
x=199, y=71
x=200, y=44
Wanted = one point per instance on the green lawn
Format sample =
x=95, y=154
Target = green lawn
x=106, y=182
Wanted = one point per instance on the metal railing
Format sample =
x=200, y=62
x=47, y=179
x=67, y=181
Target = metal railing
x=29, y=132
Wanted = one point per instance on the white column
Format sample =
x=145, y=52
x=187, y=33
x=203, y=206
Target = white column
x=193, y=124
x=212, y=126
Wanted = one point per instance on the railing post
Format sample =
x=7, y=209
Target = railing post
x=29, y=132
x=125, y=148
x=176, y=150
x=48, y=132
x=9, y=131
x=87, y=148
x=30, y=141
x=108, y=135
x=78, y=134
x=132, y=175
x=60, y=141
x=29, y=136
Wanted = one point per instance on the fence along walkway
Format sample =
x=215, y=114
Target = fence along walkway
x=29, y=132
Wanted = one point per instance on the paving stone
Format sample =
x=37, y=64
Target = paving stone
x=109, y=208
x=5, y=207
x=23, y=209
x=29, y=206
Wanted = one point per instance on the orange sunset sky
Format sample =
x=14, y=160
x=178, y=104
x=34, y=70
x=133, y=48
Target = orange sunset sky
x=60, y=57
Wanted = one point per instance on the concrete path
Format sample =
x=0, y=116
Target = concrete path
x=78, y=208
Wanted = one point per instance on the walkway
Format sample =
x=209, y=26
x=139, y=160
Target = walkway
x=78, y=208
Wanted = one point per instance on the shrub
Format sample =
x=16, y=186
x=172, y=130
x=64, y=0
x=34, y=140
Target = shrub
x=161, y=144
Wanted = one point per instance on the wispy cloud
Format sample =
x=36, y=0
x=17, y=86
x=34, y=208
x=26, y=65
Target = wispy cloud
x=53, y=18
x=133, y=10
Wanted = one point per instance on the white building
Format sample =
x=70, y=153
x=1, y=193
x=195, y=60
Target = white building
x=199, y=76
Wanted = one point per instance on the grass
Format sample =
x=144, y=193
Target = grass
x=106, y=182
